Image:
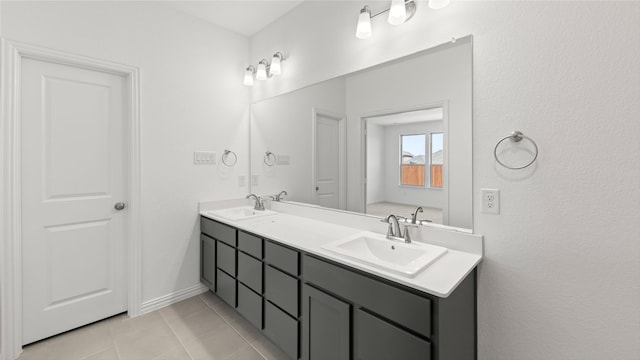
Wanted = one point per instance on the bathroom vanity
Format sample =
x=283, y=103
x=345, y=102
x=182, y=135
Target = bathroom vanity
x=274, y=271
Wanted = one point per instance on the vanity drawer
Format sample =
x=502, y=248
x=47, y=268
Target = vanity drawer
x=226, y=288
x=282, y=329
x=250, y=244
x=281, y=289
x=375, y=339
x=393, y=303
x=281, y=257
x=250, y=272
x=218, y=231
x=226, y=258
x=250, y=305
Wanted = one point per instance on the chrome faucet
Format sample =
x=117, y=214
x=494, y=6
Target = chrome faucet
x=258, y=202
x=414, y=216
x=280, y=195
x=391, y=232
x=395, y=233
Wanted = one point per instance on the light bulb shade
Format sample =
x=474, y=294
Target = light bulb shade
x=275, y=68
x=438, y=4
x=261, y=73
x=363, y=31
x=397, y=12
x=248, y=76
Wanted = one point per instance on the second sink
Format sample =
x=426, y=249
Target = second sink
x=399, y=257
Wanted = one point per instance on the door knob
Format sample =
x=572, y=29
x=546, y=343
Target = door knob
x=119, y=206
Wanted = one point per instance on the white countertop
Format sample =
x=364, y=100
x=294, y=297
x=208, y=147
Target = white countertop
x=309, y=234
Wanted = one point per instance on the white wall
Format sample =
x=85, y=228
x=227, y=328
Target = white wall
x=562, y=260
x=191, y=99
x=376, y=163
x=283, y=126
x=411, y=195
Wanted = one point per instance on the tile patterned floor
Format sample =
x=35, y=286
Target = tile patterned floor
x=202, y=327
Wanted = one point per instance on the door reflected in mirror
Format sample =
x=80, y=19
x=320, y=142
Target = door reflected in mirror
x=326, y=134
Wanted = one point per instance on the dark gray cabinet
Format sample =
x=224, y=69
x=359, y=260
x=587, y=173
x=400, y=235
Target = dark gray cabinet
x=377, y=339
x=282, y=329
x=235, y=265
x=314, y=308
x=327, y=329
x=250, y=305
x=207, y=261
x=282, y=290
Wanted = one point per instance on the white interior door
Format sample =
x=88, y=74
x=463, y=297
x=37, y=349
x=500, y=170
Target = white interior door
x=327, y=161
x=73, y=173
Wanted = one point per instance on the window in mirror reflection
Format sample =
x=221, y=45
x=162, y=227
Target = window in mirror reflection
x=412, y=159
x=437, y=158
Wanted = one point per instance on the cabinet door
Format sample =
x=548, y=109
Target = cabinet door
x=208, y=261
x=326, y=327
x=376, y=339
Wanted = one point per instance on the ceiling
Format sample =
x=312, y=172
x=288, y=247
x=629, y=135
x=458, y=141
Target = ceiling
x=244, y=17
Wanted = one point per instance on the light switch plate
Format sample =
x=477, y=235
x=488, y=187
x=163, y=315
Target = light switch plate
x=204, y=158
x=254, y=180
x=490, y=201
x=242, y=180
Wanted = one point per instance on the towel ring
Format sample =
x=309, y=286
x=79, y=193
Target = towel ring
x=225, y=158
x=516, y=136
x=270, y=158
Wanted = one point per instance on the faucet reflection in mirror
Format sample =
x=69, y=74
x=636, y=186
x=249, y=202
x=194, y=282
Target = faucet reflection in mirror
x=400, y=11
x=264, y=70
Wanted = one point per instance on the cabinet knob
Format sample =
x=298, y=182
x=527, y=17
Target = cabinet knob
x=119, y=206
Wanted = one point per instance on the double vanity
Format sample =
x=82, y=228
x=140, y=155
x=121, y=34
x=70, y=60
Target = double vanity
x=324, y=284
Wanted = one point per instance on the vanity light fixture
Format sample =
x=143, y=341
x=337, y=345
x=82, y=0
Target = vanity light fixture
x=264, y=70
x=363, y=31
x=261, y=74
x=400, y=11
x=275, y=63
x=248, y=75
x=397, y=12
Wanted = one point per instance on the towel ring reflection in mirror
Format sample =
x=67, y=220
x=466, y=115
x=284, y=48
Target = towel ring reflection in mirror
x=270, y=158
x=229, y=158
x=516, y=137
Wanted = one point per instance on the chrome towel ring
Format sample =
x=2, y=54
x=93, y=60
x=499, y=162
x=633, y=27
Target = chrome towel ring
x=516, y=137
x=229, y=158
x=270, y=158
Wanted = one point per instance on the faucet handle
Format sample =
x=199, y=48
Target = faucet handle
x=405, y=233
x=390, y=232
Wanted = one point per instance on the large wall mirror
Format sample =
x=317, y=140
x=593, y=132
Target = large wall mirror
x=379, y=141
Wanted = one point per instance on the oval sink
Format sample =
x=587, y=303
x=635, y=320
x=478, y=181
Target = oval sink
x=392, y=255
x=240, y=213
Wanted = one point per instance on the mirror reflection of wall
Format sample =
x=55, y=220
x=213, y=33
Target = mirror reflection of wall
x=404, y=164
x=436, y=78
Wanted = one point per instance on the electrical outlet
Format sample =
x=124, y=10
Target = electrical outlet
x=254, y=180
x=490, y=201
x=242, y=180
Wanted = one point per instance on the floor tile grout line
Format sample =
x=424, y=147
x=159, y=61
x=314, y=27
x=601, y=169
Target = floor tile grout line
x=93, y=327
x=113, y=340
x=233, y=327
x=175, y=334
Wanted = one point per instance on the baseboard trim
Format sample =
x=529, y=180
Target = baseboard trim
x=172, y=298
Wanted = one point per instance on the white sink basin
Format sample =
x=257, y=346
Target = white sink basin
x=392, y=255
x=240, y=213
